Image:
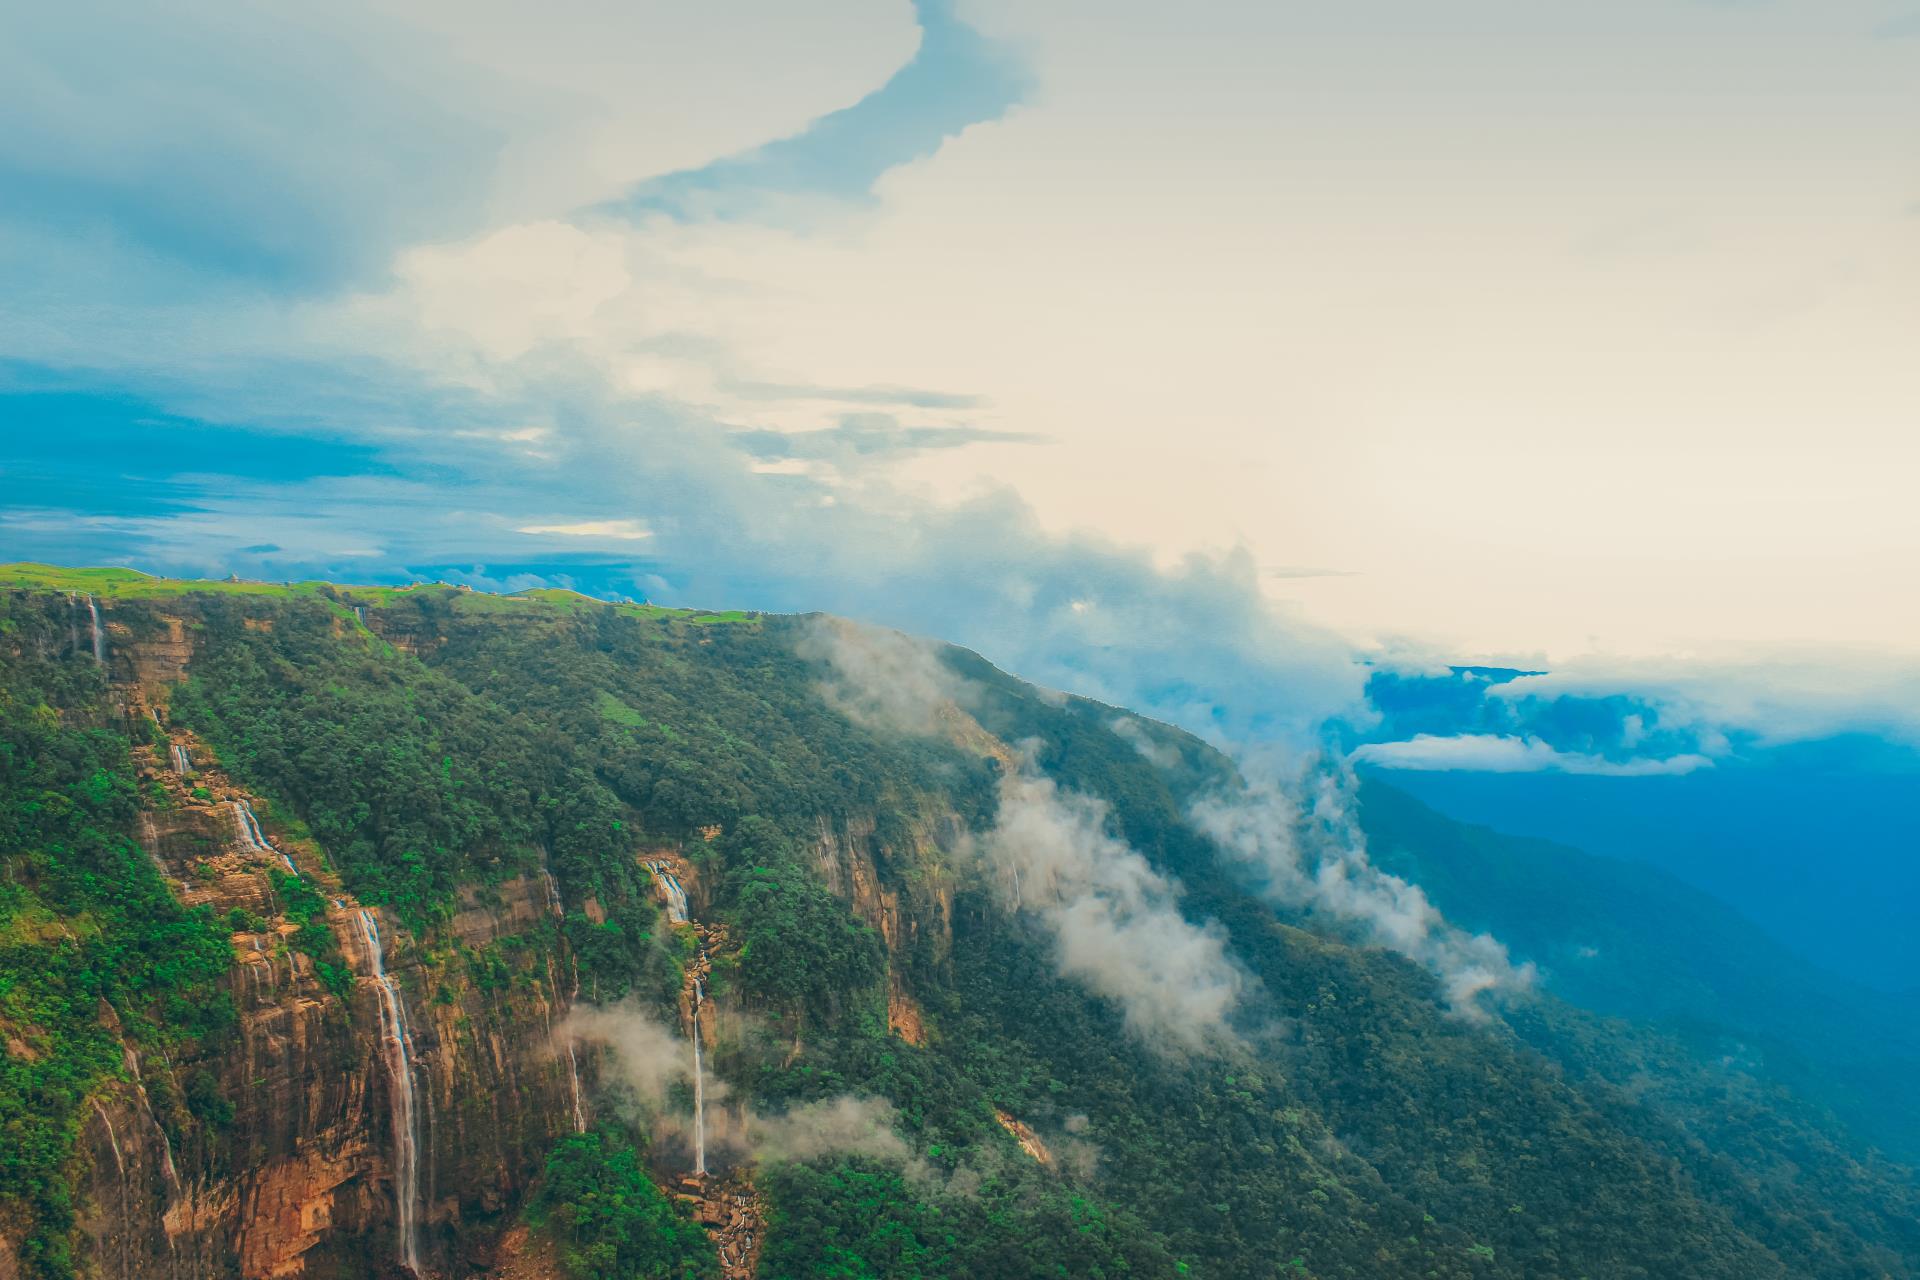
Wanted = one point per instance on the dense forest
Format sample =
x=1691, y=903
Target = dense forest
x=433, y=742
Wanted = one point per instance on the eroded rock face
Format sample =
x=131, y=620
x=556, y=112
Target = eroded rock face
x=845, y=857
x=301, y=1181
x=155, y=661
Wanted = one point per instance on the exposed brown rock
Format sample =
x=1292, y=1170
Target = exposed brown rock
x=301, y=1180
x=1024, y=1135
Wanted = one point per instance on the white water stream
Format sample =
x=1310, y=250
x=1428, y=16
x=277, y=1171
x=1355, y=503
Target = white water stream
x=670, y=885
x=573, y=1063
x=396, y=1047
x=255, y=838
x=99, y=636
x=699, y=1084
x=676, y=896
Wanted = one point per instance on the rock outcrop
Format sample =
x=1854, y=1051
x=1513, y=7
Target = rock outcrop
x=300, y=1181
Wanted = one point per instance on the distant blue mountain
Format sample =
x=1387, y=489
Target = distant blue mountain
x=1630, y=941
x=1817, y=842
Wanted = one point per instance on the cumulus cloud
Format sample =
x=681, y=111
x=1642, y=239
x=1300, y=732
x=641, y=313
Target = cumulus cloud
x=1116, y=923
x=529, y=366
x=1787, y=697
x=1304, y=849
x=1497, y=753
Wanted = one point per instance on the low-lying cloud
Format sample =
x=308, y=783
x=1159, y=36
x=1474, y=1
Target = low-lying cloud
x=1310, y=853
x=1116, y=922
x=880, y=678
x=650, y=1058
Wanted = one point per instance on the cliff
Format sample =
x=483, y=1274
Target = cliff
x=301, y=1179
x=300, y=882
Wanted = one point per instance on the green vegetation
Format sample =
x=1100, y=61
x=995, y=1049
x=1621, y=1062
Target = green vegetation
x=867, y=1221
x=131, y=584
x=1361, y=1132
x=610, y=1220
x=799, y=950
x=305, y=907
x=91, y=941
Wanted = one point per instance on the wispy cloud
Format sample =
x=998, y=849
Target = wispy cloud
x=1116, y=924
x=881, y=678
x=1497, y=753
x=618, y=530
x=911, y=397
x=872, y=437
x=1303, y=848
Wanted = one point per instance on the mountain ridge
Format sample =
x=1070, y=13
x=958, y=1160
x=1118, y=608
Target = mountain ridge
x=445, y=746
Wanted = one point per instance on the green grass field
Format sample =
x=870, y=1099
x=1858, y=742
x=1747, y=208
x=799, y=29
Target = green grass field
x=131, y=584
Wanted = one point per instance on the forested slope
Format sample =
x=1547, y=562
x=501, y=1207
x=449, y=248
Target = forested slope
x=855, y=955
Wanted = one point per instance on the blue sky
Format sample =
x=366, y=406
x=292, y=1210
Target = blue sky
x=1213, y=362
x=955, y=78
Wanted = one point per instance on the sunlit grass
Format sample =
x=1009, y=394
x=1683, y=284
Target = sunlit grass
x=109, y=582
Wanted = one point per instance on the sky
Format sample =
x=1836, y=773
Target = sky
x=1206, y=358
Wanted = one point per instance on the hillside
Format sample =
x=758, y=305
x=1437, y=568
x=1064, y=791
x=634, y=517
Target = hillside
x=1624, y=939
x=347, y=929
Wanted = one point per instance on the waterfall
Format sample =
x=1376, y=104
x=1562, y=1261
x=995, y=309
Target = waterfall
x=699, y=1082
x=255, y=838
x=99, y=636
x=670, y=885
x=119, y=1165
x=182, y=764
x=120, y=1169
x=395, y=1043
x=573, y=1080
x=131, y=1060
x=573, y=1062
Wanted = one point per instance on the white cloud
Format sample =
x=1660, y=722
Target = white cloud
x=1308, y=852
x=882, y=678
x=1500, y=753
x=1116, y=923
x=1786, y=697
x=620, y=530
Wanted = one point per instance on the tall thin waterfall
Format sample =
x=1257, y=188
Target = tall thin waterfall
x=573, y=1082
x=255, y=838
x=676, y=896
x=132, y=1063
x=182, y=763
x=99, y=636
x=113, y=1140
x=573, y=1063
x=396, y=1044
x=699, y=1084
